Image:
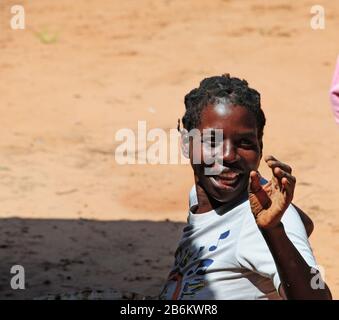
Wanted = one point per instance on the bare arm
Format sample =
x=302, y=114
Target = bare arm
x=295, y=274
x=269, y=203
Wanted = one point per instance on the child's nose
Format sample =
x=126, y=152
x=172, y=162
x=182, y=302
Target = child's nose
x=230, y=152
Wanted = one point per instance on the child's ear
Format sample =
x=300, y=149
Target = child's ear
x=185, y=143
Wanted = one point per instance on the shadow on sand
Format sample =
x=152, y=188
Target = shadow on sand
x=66, y=256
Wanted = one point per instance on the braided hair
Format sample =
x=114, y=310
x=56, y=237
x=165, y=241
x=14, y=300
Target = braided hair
x=231, y=89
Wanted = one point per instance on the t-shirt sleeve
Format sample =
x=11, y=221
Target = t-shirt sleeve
x=193, y=200
x=254, y=254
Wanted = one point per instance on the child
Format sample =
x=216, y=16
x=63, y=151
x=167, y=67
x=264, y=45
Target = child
x=243, y=240
x=334, y=93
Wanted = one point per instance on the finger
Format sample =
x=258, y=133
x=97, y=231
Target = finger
x=255, y=185
x=286, y=181
x=274, y=163
x=269, y=157
x=278, y=164
x=280, y=174
x=288, y=189
x=259, y=199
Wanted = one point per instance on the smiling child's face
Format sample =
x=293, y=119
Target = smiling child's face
x=239, y=150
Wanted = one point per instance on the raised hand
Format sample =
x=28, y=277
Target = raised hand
x=269, y=202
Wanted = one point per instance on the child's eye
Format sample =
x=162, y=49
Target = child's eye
x=246, y=143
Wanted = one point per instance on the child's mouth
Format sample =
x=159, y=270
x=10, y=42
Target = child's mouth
x=226, y=181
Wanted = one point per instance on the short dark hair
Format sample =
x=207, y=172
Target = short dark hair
x=211, y=89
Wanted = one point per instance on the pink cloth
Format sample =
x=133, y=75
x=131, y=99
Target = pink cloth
x=334, y=93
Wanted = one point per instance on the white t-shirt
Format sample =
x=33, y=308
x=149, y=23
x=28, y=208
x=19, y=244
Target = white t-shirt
x=223, y=255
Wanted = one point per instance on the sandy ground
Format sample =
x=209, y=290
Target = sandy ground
x=82, y=70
